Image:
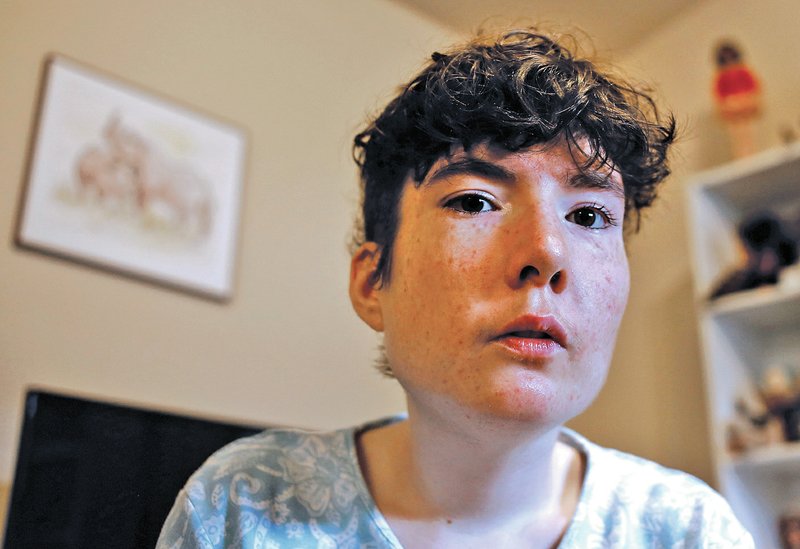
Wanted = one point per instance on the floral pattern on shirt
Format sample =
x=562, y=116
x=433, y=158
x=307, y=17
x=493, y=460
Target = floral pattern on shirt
x=296, y=489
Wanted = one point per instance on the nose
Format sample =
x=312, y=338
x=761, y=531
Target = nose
x=538, y=256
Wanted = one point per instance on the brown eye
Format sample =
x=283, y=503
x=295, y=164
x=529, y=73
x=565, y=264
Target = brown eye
x=591, y=217
x=470, y=203
x=585, y=217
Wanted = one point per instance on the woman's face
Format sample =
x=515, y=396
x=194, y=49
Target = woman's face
x=509, y=280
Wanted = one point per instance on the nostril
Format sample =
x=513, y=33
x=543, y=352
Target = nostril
x=529, y=271
x=555, y=279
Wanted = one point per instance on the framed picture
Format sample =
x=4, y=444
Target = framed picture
x=121, y=179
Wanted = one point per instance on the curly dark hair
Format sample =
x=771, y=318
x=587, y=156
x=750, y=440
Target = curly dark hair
x=513, y=91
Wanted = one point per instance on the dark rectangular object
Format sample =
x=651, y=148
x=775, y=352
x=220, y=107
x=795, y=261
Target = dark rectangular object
x=93, y=474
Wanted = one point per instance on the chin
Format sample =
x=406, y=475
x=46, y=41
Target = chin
x=534, y=404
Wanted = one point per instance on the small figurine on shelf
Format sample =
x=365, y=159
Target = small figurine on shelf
x=789, y=525
x=738, y=96
x=768, y=248
x=753, y=426
x=782, y=400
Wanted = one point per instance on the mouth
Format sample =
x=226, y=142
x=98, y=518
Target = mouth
x=545, y=330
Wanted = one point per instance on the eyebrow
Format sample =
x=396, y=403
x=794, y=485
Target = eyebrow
x=472, y=166
x=591, y=179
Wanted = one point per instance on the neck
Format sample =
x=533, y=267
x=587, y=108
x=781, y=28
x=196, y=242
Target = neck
x=479, y=471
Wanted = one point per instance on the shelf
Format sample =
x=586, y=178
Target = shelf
x=743, y=334
x=772, y=176
x=763, y=307
x=780, y=459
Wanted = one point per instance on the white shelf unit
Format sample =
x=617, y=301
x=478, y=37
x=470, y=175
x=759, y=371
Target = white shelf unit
x=745, y=332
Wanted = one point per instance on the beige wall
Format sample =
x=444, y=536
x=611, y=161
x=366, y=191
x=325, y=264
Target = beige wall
x=5, y=493
x=300, y=76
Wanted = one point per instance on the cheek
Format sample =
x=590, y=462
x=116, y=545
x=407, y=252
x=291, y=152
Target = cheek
x=436, y=282
x=610, y=311
x=618, y=282
x=452, y=262
x=604, y=286
x=471, y=255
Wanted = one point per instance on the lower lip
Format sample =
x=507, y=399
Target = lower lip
x=530, y=349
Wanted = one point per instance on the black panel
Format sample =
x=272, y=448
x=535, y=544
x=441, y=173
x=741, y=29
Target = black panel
x=91, y=474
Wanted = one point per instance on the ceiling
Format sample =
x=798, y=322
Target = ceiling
x=613, y=25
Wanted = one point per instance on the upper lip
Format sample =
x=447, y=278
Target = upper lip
x=546, y=324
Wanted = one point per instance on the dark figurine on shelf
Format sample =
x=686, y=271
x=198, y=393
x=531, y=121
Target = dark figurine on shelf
x=769, y=248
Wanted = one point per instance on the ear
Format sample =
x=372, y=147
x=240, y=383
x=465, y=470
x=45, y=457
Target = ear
x=364, y=294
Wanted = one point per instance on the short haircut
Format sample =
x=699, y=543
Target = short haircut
x=513, y=91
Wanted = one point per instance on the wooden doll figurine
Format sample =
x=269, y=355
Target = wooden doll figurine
x=738, y=98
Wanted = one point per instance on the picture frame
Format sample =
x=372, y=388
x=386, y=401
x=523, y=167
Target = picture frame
x=122, y=179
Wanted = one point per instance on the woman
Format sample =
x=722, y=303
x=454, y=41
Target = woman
x=497, y=187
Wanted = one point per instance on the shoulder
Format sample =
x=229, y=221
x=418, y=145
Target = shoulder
x=649, y=503
x=620, y=472
x=293, y=487
x=267, y=486
x=271, y=452
x=271, y=470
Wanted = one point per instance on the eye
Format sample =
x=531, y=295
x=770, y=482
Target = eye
x=471, y=203
x=593, y=216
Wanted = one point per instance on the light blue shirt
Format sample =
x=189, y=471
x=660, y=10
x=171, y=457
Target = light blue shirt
x=290, y=488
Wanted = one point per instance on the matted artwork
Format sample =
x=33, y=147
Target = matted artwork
x=122, y=179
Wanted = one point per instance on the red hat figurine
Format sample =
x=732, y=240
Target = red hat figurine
x=738, y=96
